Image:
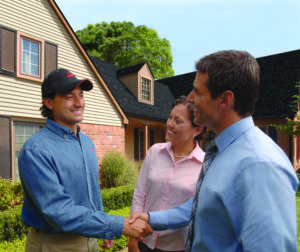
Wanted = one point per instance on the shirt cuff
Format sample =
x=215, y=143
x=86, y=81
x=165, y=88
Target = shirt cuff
x=115, y=229
x=158, y=220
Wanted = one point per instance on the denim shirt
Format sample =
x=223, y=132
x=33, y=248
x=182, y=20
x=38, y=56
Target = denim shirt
x=247, y=199
x=59, y=175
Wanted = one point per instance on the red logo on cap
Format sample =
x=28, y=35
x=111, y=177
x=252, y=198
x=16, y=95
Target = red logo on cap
x=69, y=75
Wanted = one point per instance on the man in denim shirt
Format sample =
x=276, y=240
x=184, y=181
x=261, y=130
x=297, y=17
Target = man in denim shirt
x=59, y=174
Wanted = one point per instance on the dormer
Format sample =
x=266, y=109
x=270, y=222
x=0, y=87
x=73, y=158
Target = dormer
x=139, y=80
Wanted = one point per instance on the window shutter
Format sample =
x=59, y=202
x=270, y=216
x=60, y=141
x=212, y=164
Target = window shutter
x=7, y=51
x=5, y=154
x=151, y=137
x=50, y=58
x=136, y=145
x=273, y=133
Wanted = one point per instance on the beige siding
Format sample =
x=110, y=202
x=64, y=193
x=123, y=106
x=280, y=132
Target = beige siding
x=145, y=73
x=131, y=82
x=21, y=97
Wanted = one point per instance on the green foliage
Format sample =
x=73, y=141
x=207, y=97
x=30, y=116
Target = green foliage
x=292, y=126
x=18, y=244
x=116, y=170
x=117, y=198
x=11, y=224
x=123, y=44
x=123, y=241
x=11, y=194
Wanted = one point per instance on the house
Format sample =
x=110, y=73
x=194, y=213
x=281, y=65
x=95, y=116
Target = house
x=35, y=38
x=279, y=75
x=145, y=102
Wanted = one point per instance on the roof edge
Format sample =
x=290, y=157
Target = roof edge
x=85, y=55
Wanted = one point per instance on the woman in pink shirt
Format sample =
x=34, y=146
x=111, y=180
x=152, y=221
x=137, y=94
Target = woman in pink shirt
x=168, y=176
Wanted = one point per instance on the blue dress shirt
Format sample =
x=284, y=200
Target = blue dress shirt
x=59, y=175
x=247, y=200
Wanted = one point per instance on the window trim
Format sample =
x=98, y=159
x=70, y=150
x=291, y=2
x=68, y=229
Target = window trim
x=150, y=101
x=41, y=43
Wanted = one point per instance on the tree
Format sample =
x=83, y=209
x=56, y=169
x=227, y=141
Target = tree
x=124, y=44
x=292, y=126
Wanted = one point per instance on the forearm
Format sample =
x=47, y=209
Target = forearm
x=173, y=218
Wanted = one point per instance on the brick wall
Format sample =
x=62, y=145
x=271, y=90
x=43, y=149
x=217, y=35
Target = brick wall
x=105, y=138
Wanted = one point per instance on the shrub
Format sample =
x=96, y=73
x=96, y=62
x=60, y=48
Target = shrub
x=18, y=244
x=116, y=170
x=117, y=198
x=11, y=194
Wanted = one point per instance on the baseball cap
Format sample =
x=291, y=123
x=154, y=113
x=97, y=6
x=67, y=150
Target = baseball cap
x=62, y=81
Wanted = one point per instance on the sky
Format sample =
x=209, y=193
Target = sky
x=196, y=28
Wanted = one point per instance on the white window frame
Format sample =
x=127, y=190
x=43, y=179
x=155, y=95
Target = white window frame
x=145, y=88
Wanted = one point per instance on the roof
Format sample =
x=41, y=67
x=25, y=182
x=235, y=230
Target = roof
x=130, y=69
x=163, y=97
x=279, y=74
x=86, y=57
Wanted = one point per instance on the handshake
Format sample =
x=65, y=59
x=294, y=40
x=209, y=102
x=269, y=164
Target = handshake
x=137, y=226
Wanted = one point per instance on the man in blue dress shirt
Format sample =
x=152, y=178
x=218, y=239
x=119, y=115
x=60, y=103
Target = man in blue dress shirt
x=247, y=199
x=59, y=174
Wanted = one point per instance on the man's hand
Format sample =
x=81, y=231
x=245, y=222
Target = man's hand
x=138, y=229
x=137, y=215
x=107, y=244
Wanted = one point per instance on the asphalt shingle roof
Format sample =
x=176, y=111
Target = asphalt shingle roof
x=279, y=74
x=163, y=97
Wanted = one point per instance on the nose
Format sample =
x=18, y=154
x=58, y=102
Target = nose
x=78, y=101
x=170, y=123
x=190, y=97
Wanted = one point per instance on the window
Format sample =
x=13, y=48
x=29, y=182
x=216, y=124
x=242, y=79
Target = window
x=22, y=131
x=146, y=85
x=139, y=144
x=30, y=57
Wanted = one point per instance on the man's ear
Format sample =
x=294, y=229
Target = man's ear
x=227, y=98
x=48, y=102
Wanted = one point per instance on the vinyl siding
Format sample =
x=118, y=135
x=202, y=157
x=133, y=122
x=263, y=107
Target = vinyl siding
x=20, y=97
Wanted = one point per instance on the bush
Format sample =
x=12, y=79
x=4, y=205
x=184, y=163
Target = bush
x=18, y=244
x=116, y=170
x=117, y=198
x=11, y=225
x=11, y=194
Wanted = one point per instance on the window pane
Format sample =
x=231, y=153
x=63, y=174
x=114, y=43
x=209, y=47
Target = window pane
x=22, y=133
x=35, y=70
x=25, y=45
x=30, y=57
x=34, y=47
x=35, y=59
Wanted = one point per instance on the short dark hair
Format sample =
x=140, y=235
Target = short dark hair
x=237, y=71
x=182, y=100
x=45, y=111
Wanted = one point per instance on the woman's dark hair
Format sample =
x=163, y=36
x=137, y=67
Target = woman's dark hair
x=45, y=111
x=190, y=107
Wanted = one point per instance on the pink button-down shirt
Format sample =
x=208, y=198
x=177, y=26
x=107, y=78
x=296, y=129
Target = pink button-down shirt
x=164, y=184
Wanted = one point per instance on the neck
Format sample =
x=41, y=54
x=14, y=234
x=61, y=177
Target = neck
x=182, y=150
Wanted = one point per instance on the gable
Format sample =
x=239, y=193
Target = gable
x=40, y=19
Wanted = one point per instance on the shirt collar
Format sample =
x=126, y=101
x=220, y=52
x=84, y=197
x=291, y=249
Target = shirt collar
x=60, y=129
x=227, y=136
x=197, y=153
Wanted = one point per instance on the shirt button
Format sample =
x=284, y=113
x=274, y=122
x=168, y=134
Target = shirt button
x=65, y=136
x=115, y=237
x=70, y=131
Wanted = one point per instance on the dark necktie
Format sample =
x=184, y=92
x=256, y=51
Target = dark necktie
x=209, y=156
